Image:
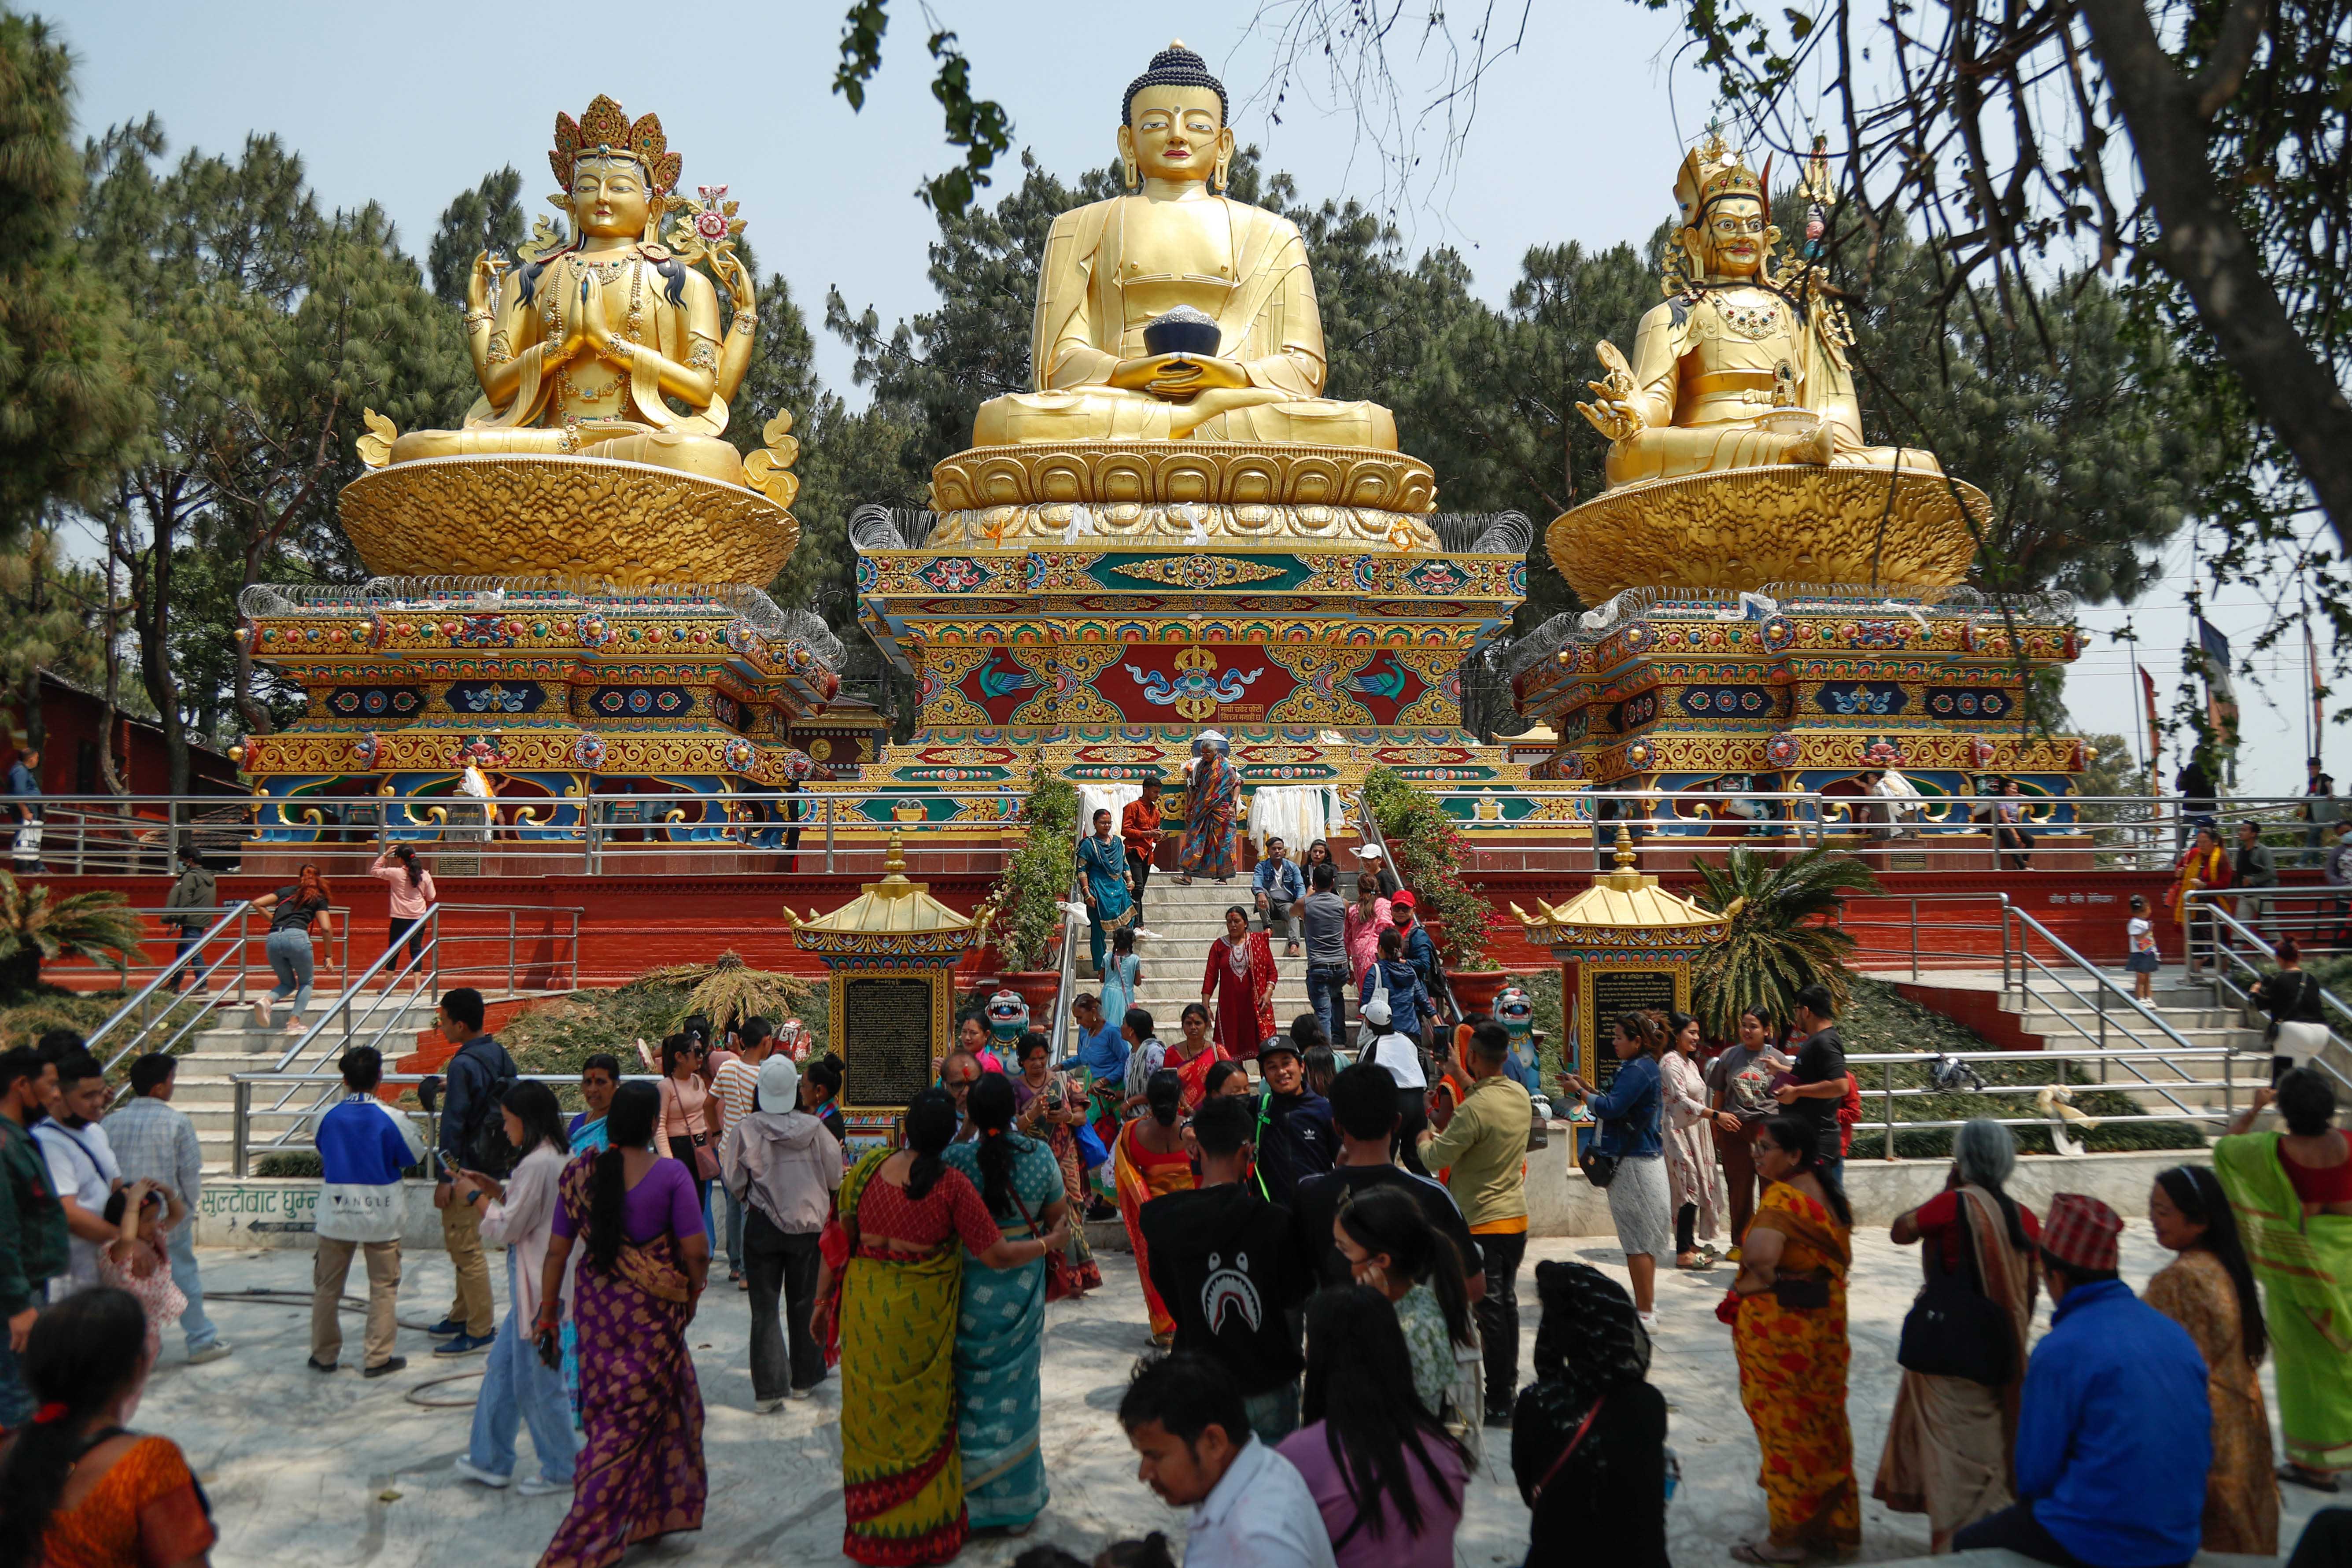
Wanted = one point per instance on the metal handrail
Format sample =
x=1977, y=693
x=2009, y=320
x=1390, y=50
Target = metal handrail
x=179, y=963
x=2226, y=955
x=1887, y=1094
x=1060, y=1046
x=242, y=1109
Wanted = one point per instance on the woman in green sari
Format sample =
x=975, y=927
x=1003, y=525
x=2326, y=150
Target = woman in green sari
x=904, y=1212
x=1001, y=1332
x=2292, y=1194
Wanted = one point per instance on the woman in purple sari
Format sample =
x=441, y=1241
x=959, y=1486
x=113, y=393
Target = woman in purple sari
x=1211, y=801
x=644, y=1261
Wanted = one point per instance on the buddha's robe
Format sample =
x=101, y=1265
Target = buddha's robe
x=589, y=406
x=1707, y=370
x=1243, y=266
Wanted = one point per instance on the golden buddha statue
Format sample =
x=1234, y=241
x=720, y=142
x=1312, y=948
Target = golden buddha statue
x=1177, y=243
x=1738, y=367
x=1177, y=354
x=605, y=376
x=1736, y=454
x=593, y=333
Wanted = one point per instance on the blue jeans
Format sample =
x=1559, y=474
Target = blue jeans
x=180, y=1245
x=1327, y=997
x=290, y=960
x=734, y=1231
x=201, y=970
x=519, y=1389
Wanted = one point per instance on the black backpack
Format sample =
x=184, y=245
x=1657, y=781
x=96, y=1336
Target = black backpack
x=484, y=1137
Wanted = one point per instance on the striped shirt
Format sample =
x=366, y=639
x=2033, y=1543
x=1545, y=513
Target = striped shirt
x=738, y=1083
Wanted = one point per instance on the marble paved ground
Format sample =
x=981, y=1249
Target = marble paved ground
x=337, y=1470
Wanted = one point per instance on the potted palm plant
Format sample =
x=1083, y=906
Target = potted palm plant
x=1782, y=937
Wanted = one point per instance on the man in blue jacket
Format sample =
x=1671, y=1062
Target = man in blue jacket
x=475, y=1079
x=2115, y=1433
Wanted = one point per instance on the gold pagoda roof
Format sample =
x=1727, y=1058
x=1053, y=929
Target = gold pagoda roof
x=893, y=915
x=1618, y=906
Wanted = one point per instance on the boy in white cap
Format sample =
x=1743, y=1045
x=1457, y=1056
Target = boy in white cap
x=1377, y=864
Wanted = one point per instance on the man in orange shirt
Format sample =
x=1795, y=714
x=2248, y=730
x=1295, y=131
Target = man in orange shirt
x=1138, y=830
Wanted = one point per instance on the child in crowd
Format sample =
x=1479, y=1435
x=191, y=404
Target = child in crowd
x=135, y=1261
x=2141, y=935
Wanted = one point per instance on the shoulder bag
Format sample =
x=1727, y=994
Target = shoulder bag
x=1954, y=1329
x=1070, y=1271
x=706, y=1158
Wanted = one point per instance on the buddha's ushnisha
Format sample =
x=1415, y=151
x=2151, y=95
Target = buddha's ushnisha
x=1175, y=240
x=1725, y=372
x=600, y=337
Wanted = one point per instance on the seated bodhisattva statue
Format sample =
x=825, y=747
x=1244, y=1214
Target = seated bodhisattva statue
x=1235, y=276
x=1740, y=367
x=585, y=348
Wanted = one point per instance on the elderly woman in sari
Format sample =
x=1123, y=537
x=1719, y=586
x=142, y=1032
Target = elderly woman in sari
x=1001, y=1328
x=1237, y=984
x=1952, y=1442
x=1212, y=802
x=645, y=1260
x=1103, y=859
x=903, y=1212
x=1786, y=1311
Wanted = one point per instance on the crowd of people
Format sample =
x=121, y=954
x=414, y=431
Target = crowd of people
x=1329, y=1242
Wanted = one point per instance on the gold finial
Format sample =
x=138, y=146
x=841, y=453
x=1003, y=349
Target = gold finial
x=894, y=863
x=1624, y=848
x=1175, y=43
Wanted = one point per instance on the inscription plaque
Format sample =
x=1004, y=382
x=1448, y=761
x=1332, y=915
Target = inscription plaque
x=885, y=1037
x=1616, y=992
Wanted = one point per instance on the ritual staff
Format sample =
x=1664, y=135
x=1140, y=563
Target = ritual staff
x=1211, y=801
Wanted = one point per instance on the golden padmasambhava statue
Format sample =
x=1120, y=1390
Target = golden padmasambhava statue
x=1735, y=451
x=604, y=342
x=1177, y=338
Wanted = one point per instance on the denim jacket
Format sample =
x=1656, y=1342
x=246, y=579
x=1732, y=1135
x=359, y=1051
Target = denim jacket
x=1628, y=1110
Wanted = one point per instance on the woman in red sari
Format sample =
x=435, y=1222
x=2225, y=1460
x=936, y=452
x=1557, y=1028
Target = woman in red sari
x=1192, y=1057
x=1148, y=1160
x=1237, y=984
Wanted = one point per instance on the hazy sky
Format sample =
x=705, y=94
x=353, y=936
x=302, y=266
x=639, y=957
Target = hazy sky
x=1576, y=137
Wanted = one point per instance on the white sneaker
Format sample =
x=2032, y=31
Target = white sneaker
x=211, y=1352
x=808, y=1392
x=474, y=1472
x=1648, y=1320
x=540, y=1486
x=766, y=1407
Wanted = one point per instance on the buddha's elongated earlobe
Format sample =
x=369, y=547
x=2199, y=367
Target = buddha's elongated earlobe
x=1129, y=175
x=1220, y=174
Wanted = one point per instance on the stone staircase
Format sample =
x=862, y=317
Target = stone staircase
x=233, y=1044
x=1181, y=922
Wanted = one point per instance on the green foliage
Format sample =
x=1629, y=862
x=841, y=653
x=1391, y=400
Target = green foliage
x=35, y=1012
x=726, y=991
x=1039, y=877
x=1880, y=1019
x=290, y=1164
x=37, y=926
x=52, y=619
x=1780, y=940
x=488, y=217
x=977, y=125
x=69, y=400
x=1429, y=854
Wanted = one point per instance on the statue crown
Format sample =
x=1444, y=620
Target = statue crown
x=604, y=131
x=1711, y=172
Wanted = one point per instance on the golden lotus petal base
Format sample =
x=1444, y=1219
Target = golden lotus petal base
x=1182, y=490
x=521, y=515
x=1786, y=522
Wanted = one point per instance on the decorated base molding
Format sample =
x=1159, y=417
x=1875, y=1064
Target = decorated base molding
x=519, y=515
x=1177, y=491
x=1783, y=523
